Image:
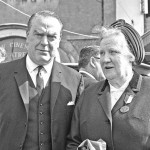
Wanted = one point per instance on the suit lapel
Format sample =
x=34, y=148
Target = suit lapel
x=20, y=75
x=55, y=83
x=105, y=101
x=120, y=102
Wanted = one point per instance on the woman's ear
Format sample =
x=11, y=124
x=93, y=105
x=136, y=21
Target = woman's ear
x=92, y=62
x=131, y=58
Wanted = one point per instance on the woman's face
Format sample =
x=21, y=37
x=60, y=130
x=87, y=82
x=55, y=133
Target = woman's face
x=114, y=60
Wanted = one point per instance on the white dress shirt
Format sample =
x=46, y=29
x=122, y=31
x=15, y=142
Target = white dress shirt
x=115, y=93
x=33, y=70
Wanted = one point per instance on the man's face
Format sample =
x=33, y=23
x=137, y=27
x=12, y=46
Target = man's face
x=114, y=58
x=43, y=39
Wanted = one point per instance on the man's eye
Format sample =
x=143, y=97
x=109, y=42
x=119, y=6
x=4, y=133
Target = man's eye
x=102, y=53
x=38, y=35
x=51, y=37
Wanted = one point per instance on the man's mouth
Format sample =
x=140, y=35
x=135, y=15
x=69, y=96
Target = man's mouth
x=42, y=50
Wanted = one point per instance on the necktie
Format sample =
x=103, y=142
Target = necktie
x=39, y=80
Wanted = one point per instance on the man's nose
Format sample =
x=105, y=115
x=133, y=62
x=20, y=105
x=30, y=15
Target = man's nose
x=44, y=40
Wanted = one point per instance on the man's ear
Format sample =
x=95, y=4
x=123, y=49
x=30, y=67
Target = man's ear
x=60, y=36
x=27, y=33
x=92, y=62
x=27, y=40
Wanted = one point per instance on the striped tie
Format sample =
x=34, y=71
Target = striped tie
x=39, y=80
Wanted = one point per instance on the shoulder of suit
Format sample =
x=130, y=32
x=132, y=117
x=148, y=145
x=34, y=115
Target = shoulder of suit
x=96, y=86
x=10, y=66
x=66, y=68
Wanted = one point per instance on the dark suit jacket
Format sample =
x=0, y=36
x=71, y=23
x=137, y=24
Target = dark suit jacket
x=14, y=95
x=88, y=80
x=120, y=130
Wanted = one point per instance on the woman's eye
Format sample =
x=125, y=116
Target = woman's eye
x=113, y=52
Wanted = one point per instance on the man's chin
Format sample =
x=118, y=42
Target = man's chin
x=44, y=61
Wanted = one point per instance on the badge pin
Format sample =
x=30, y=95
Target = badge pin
x=124, y=109
x=129, y=100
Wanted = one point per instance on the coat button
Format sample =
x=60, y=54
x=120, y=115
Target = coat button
x=20, y=146
x=107, y=121
x=41, y=113
x=25, y=124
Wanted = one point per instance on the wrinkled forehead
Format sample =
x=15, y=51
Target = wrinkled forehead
x=113, y=41
x=46, y=22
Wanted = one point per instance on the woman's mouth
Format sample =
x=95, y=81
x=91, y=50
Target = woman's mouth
x=108, y=67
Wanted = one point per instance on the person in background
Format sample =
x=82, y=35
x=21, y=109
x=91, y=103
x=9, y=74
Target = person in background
x=38, y=94
x=116, y=110
x=89, y=65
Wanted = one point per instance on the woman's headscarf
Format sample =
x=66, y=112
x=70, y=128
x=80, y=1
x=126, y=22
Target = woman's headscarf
x=133, y=38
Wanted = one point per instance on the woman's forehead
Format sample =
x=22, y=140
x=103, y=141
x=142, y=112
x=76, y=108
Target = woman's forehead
x=112, y=41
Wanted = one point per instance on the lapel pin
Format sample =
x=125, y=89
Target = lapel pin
x=124, y=109
x=129, y=99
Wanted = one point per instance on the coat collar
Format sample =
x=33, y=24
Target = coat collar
x=133, y=88
x=20, y=75
x=134, y=84
x=104, y=99
x=104, y=94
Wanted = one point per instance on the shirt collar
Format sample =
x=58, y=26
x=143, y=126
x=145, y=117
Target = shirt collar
x=31, y=66
x=123, y=87
x=48, y=67
x=81, y=71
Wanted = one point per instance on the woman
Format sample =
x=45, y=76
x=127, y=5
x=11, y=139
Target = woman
x=116, y=110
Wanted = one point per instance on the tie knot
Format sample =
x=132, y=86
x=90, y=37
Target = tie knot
x=40, y=68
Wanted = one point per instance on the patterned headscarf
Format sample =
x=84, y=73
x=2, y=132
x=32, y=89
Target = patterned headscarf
x=133, y=38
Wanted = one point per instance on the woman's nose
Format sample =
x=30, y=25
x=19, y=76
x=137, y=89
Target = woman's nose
x=106, y=58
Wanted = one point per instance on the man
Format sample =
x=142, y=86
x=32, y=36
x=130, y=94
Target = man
x=38, y=94
x=118, y=107
x=89, y=65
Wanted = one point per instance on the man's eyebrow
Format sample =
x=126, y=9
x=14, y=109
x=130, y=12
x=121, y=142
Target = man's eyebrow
x=37, y=31
x=54, y=33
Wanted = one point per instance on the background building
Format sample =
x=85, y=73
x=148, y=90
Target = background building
x=82, y=20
